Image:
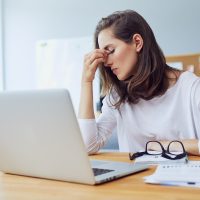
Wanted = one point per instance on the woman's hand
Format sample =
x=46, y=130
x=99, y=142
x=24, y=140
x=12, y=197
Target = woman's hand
x=91, y=62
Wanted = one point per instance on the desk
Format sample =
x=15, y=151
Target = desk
x=130, y=187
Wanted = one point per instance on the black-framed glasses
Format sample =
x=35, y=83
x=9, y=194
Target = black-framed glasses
x=168, y=153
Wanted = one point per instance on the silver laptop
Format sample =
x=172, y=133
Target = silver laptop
x=40, y=137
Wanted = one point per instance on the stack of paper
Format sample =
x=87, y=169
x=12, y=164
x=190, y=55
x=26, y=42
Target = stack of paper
x=177, y=174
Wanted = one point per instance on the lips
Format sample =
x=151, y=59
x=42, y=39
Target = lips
x=114, y=70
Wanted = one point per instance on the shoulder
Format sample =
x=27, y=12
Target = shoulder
x=187, y=86
x=195, y=91
x=190, y=83
x=180, y=77
x=187, y=80
x=189, y=75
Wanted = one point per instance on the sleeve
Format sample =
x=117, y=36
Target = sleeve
x=96, y=133
x=197, y=94
x=196, y=108
x=199, y=146
x=197, y=103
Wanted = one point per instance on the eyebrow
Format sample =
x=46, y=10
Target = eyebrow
x=108, y=45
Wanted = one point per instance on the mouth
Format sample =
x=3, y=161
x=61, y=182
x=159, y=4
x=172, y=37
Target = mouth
x=115, y=70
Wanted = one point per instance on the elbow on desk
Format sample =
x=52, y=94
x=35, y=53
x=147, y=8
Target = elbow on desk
x=92, y=147
x=92, y=150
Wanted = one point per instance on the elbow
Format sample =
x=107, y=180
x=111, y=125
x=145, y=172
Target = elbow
x=92, y=148
x=93, y=145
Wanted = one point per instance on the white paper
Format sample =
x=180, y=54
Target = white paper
x=176, y=174
x=158, y=159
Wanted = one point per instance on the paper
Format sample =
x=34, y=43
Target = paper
x=176, y=174
x=158, y=159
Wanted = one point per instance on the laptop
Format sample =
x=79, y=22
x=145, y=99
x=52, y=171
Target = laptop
x=40, y=137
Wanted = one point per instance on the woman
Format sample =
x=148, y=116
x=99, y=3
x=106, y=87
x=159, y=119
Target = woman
x=145, y=98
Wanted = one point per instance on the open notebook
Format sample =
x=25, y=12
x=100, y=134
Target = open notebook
x=176, y=174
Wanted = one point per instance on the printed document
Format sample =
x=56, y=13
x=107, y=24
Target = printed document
x=158, y=159
x=176, y=174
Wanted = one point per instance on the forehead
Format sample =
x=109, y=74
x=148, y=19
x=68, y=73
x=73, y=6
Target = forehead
x=106, y=37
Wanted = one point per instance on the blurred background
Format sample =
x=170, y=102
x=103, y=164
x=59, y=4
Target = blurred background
x=42, y=42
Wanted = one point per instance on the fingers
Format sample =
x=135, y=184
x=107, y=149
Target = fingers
x=96, y=62
x=96, y=54
x=91, y=62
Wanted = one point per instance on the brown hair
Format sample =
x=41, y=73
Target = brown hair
x=150, y=79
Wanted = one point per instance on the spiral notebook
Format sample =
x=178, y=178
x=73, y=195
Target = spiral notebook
x=176, y=174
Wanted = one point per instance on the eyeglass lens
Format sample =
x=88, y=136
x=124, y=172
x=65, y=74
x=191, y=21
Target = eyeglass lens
x=154, y=148
x=175, y=150
x=175, y=147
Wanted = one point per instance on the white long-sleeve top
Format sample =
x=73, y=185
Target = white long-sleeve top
x=172, y=116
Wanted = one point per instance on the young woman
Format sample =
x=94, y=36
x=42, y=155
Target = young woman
x=145, y=98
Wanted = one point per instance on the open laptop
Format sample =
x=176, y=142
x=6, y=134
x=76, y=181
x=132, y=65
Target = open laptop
x=40, y=137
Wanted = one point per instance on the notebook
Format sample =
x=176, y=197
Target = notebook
x=158, y=159
x=40, y=137
x=176, y=174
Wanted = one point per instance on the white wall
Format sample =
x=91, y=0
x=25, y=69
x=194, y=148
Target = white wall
x=1, y=46
x=175, y=24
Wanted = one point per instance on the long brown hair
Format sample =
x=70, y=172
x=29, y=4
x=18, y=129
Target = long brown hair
x=150, y=79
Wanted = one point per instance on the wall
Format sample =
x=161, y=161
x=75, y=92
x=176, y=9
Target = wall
x=1, y=46
x=175, y=24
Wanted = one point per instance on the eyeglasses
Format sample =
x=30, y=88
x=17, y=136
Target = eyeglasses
x=169, y=153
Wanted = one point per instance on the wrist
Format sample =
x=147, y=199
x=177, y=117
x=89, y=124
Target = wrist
x=198, y=146
x=86, y=83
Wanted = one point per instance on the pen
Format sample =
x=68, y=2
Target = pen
x=191, y=183
x=177, y=183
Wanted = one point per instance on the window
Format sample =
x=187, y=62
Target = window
x=59, y=65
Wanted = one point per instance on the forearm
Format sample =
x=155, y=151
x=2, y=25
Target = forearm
x=190, y=145
x=91, y=62
x=86, y=109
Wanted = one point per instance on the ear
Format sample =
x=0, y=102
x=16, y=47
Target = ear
x=138, y=41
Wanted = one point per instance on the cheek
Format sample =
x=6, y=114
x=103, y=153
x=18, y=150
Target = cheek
x=121, y=57
x=133, y=60
x=127, y=60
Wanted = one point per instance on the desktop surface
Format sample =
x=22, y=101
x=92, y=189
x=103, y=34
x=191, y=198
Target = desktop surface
x=130, y=187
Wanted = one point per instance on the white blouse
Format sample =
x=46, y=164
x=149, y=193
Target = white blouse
x=172, y=116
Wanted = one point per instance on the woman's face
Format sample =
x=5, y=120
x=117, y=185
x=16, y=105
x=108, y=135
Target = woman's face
x=122, y=57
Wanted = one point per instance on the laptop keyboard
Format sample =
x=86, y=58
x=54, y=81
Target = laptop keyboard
x=98, y=171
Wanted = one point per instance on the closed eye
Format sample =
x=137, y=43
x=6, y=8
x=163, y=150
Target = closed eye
x=111, y=51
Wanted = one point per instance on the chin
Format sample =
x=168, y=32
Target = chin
x=123, y=78
x=120, y=78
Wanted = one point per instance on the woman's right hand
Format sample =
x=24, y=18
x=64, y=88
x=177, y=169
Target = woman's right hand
x=91, y=62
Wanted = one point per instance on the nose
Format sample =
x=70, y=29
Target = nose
x=108, y=61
